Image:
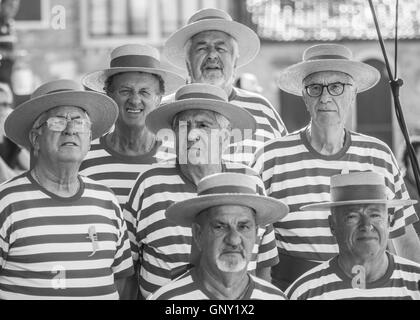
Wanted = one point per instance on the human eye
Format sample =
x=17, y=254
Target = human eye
x=336, y=87
x=124, y=92
x=244, y=227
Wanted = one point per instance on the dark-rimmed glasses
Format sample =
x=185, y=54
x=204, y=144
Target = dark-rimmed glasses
x=334, y=89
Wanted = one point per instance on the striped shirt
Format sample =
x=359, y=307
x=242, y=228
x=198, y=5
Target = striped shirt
x=61, y=248
x=189, y=287
x=269, y=125
x=294, y=172
x=328, y=282
x=116, y=171
x=163, y=248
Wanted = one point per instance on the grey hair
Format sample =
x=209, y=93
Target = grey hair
x=221, y=120
x=36, y=127
x=188, y=44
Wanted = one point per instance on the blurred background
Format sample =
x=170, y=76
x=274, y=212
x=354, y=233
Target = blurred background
x=42, y=40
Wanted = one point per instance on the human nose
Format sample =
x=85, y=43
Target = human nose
x=70, y=127
x=233, y=237
x=193, y=134
x=135, y=98
x=365, y=223
x=325, y=95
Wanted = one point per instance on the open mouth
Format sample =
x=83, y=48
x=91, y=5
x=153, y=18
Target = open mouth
x=133, y=110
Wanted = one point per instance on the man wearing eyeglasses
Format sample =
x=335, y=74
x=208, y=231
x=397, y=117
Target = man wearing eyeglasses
x=297, y=169
x=62, y=235
x=13, y=159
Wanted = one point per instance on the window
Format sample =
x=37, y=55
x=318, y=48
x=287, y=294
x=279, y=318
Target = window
x=33, y=14
x=115, y=22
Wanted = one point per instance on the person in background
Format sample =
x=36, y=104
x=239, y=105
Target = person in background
x=212, y=47
x=409, y=180
x=136, y=82
x=13, y=159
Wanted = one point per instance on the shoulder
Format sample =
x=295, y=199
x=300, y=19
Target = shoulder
x=266, y=291
x=406, y=265
x=366, y=141
x=20, y=183
x=252, y=97
x=291, y=140
x=313, y=279
x=179, y=287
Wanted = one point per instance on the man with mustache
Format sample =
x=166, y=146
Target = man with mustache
x=363, y=269
x=297, y=168
x=62, y=235
x=202, y=120
x=136, y=82
x=212, y=46
x=224, y=218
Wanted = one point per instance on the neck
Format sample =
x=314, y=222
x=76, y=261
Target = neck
x=195, y=173
x=326, y=140
x=225, y=285
x=63, y=182
x=374, y=268
x=131, y=141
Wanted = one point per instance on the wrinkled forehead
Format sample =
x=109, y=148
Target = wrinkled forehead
x=72, y=111
x=377, y=207
x=212, y=36
x=197, y=115
x=328, y=77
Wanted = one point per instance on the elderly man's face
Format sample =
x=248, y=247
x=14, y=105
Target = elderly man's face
x=212, y=58
x=226, y=236
x=328, y=110
x=136, y=94
x=200, y=138
x=361, y=230
x=68, y=145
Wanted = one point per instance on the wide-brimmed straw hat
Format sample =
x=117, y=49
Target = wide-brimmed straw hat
x=357, y=188
x=227, y=189
x=212, y=20
x=327, y=57
x=200, y=96
x=133, y=58
x=101, y=109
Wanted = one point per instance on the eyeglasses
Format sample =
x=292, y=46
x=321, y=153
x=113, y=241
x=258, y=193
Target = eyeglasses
x=334, y=89
x=60, y=124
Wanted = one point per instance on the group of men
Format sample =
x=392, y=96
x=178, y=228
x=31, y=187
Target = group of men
x=148, y=186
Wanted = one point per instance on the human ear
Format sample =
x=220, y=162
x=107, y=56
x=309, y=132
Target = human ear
x=331, y=222
x=196, y=234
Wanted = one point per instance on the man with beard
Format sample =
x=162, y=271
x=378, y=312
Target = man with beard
x=212, y=46
x=224, y=218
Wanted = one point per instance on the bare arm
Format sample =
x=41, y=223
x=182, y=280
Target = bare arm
x=408, y=245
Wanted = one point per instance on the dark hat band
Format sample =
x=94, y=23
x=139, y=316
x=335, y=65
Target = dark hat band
x=358, y=192
x=325, y=57
x=227, y=189
x=199, y=95
x=135, y=61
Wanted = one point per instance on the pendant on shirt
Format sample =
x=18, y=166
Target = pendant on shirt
x=92, y=236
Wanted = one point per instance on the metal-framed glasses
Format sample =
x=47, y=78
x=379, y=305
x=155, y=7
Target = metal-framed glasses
x=59, y=124
x=334, y=89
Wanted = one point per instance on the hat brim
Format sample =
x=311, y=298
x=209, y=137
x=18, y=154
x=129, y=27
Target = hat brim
x=364, y=76
x=102, y=111
x=268, y=210
x=96, y=80
x=247, y=39
x=322, y=206
x=161, y=118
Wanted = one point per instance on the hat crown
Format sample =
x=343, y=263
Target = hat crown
x=327, y=51
x=56, y=86
x=201, y=91
x=221, y=183
x=209, y=13
x=358, y=186
x=135, y=50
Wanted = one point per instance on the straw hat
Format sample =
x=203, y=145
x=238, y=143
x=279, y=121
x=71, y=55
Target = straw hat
x=227, y=189
x=101, y=109
x=132, y=58
x=204, y=97
x=212, y=20
x=357, y=188
x=327, y=57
